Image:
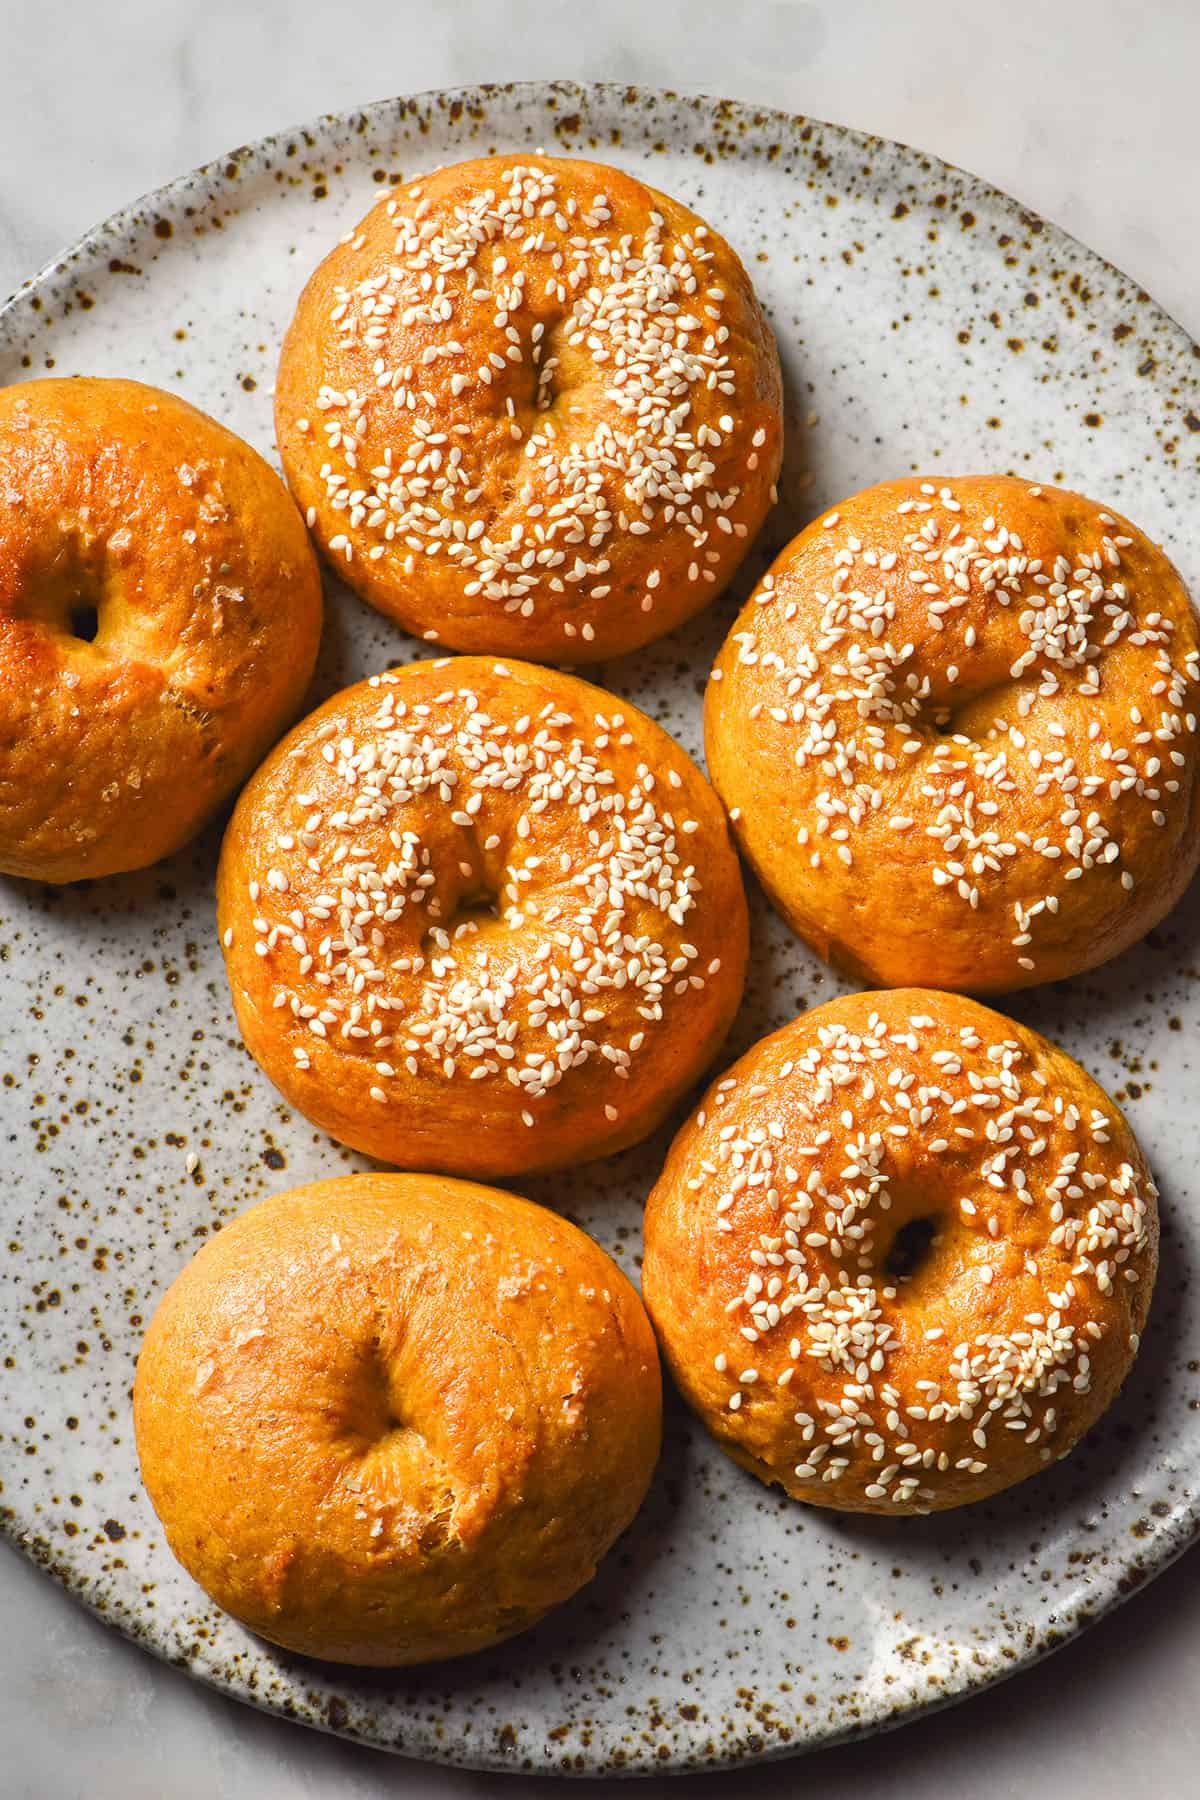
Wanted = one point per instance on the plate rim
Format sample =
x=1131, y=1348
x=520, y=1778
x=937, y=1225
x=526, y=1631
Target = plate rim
x=1114, y=1585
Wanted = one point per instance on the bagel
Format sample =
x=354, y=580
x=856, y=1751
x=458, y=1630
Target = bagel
x=955, y=728
x=391, y=1418
x=530, y=405
x=160, y=611
x=901, y=1256
x=481, y=917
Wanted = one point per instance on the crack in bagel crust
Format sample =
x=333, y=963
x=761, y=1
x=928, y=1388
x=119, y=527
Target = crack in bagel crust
x=767, y=1239
x=956, y=729
x=532, y=405
x=569, y=1015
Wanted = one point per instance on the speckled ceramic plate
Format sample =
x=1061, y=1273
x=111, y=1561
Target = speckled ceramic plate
x=926, y=322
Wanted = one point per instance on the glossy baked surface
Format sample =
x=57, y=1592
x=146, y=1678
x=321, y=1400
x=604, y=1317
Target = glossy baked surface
x=531, y=406
x=902, y=1254
x=390, y=1419
x=479, y=917
x=957, y=728
x=160, y=613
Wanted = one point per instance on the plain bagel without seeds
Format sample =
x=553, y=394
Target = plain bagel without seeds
x=481, y=917
x=902, y=1254
x=531, y=405
x=392, y=1418
x=160, y=611
x=955, y=728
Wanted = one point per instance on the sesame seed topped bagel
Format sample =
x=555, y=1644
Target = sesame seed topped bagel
x=955, y=727
x=160, y=611
x=391, y=1418
x=901, y=1256
x=481, y=917
x=531, y=405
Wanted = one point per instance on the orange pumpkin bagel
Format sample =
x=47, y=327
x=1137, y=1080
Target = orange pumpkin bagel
x=955, y=728
x=392, y=1418
x=160, y=611
x=531, y=405
x=481, y=917
x=902, y=1254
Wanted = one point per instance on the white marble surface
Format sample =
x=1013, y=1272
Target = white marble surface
x=1085, y=109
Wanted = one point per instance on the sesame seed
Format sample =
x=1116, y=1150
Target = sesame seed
x=871, y=1409
x=630, y=294
x=839, y=694
x=367, y=930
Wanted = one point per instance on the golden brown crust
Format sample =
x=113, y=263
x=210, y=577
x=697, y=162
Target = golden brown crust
x=392, y=1418
x=902, y=1254
x=481, y=917
x=956, y=730
x=173, y=540
x=531, y=405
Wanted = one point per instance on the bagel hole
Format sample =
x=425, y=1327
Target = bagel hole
x=384, y=1425
x=83, y=621
x=394, y=1427
x=910, y=1248
x=474, y=911
x=478, y=908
